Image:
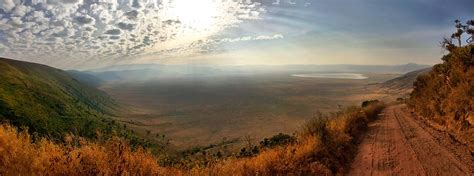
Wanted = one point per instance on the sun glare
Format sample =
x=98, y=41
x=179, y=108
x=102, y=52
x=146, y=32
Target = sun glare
x=195, y=14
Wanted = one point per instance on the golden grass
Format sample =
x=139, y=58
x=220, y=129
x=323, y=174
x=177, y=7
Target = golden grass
x=291, y=160
x=19, y=155
x=325, y=146
x=444, y=96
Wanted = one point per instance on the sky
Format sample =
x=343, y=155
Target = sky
x=84, y=34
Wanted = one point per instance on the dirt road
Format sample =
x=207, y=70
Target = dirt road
x=397, y=144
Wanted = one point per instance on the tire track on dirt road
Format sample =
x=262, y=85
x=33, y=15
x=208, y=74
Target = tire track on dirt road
x=395, y=144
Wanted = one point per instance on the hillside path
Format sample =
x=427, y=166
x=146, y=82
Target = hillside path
x=398, y=144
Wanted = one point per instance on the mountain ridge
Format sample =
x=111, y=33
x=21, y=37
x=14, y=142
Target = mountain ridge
x=405, y=81
x=51, y=102
x=151, y=71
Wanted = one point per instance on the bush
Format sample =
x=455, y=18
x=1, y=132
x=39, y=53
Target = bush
x=445, y=95
x=369, y=102
x=277, y=140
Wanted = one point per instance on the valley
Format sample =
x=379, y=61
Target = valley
x=204, y=110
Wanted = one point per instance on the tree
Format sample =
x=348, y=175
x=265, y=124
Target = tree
x=447, y=43
x=460, y=30
x=470, y=31
x=458, y=34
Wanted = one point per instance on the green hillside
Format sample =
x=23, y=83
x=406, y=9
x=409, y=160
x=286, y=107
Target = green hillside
x=50, y=102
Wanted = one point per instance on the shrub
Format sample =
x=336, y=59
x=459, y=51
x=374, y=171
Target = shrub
x=369, y=102
x=444, y=95
x=277, y=140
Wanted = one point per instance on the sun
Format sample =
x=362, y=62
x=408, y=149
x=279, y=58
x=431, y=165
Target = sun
x=195, y=14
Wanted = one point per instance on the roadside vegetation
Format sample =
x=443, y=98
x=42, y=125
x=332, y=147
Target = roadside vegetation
x=444, y=96
x=325, y=145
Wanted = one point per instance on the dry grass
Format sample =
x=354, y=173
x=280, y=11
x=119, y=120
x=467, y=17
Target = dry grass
x=444, y=96
x=325, y=146
x=19, y=155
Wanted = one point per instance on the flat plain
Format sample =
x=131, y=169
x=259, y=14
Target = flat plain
x=199, y=111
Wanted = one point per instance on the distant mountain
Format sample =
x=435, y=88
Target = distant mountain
x=400, y=69
x=151, y=71
x=145, y=72
x=405, y=81
x=50, y=101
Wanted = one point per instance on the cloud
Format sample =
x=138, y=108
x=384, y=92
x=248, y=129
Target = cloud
x=16, y=21
x=276, y=36
x=126, y=26
x=113, y=32
x=71, y=33
x=8, y=5
x=84, y=19
x=131, y=14
x=251, y=38
x=20, y=10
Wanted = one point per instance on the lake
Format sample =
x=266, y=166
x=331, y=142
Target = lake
x=331, y=75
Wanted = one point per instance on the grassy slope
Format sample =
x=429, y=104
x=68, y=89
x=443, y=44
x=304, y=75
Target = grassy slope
x=405, y=81
x=49, y=101
x=444, y=96
x=85, y=78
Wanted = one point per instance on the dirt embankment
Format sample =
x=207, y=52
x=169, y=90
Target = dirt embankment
x=397, y=144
